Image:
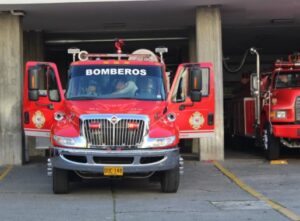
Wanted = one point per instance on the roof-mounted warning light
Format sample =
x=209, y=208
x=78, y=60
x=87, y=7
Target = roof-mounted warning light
x=119, y=44
x=138, y=55
x=294, y=57
x=293, y=61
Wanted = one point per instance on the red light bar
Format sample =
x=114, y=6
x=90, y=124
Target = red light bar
x=284, y=65
x=94, y=125
x=293, y=61
x=133, y=125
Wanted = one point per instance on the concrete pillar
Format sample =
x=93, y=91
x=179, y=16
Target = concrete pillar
x=11, y=79
x=209, y=48
x=33, y=51
x=192, y=46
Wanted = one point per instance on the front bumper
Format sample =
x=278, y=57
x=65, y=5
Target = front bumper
x=286, y=131
x=132, y=161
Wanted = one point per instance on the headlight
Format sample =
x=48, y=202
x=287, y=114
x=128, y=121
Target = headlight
x=171, y=117
x=158, y=142
x=59, y=116
x=280, y=114
x=70, y=141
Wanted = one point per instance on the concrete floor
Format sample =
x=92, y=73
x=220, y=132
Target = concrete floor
x=204, y=194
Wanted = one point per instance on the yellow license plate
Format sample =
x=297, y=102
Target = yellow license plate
x=113, y=171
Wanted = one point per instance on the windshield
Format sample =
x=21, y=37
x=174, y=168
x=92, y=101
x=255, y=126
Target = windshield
x=139, y=82
x=287, y=79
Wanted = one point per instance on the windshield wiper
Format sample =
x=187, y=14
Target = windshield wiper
x=137, y=98
x=125, y=98
x=83, y=98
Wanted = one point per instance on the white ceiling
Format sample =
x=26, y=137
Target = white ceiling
x=136, y=15
x=245, y=23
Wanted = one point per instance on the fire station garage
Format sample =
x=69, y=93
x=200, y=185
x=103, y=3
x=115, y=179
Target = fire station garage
x=217, y=31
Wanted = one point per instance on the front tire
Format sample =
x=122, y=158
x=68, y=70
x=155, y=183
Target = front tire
x=170, y=181
x=60, y=179
x=271, y=144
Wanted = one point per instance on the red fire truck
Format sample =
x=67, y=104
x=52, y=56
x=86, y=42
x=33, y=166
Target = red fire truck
x=117, y=116
x=271, y=114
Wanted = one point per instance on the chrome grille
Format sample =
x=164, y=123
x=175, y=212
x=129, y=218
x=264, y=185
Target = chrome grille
x=297, y=109
x=114, y=134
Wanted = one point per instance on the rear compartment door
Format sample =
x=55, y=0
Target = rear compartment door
x=194, y=119
x=42, y=96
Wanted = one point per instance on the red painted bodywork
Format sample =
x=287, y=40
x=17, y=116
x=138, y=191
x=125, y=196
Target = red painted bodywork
x=205, y=107
x=157, y=111
x=42, y=103
x=286, y=99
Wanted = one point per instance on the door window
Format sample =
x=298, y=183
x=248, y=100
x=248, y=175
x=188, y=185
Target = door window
x=53, y=91
x=181, y=87
x=180, y=91
x=47, y=83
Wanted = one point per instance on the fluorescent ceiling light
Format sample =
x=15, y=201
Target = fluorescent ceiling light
x=282, y=21
x=14, y=2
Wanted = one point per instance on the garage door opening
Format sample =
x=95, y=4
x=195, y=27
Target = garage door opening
x=56, y=46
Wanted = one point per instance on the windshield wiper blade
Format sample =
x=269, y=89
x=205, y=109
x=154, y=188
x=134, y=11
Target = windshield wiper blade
x=83, y=98
x=125, y=98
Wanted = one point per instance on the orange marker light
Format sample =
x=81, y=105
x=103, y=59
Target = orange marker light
x=272, y=114
x=33, y=82
x=195, y=83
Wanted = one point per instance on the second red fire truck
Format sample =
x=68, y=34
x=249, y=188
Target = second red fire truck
x=117, y=117
x=271, y=114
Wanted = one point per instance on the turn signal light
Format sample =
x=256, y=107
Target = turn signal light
x=272, y=114
x=94, y=125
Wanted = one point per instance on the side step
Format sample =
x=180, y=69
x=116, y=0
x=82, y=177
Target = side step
x=49, y=167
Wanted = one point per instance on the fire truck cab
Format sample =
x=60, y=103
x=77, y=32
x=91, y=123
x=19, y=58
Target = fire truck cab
x=117, y=116
x=272, y=114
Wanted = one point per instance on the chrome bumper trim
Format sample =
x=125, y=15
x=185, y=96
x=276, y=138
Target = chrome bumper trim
x=170, y=159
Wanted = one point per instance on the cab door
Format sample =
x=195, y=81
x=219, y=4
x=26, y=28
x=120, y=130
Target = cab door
x=192, y=99
x=43, y=95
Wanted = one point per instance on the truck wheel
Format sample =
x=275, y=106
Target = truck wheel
x=60, y=180
x=170, y=181
x=271, y=144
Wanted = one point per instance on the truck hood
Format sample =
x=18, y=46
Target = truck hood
x=118, y=106
x=286, y=98
x=155, y=110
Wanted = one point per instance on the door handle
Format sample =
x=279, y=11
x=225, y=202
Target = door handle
x=210, y=119
x=49, y=106
x=26, y=117
x=183, y=106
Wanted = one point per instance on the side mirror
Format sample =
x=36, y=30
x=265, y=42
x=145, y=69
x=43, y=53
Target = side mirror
x=33, y=95
x=33, y=79
x=33, y=82
x=195, y=83
x=254, y=87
